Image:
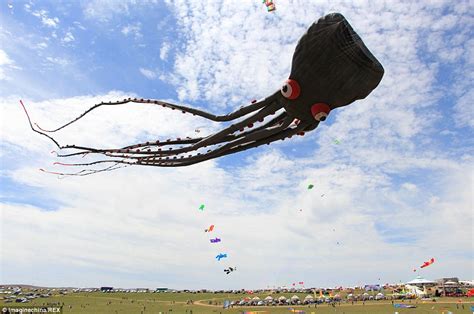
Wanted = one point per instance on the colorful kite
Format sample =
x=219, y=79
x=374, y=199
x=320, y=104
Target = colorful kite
x=215, y=240
x=201, y=207
x=337, y=142
x=270, y=5
x=221, y=255
x=211, y=227
x=310, y=186
x=428, y=263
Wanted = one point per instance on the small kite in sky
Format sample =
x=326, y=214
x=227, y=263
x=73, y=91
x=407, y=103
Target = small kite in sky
x=230, y=269
x=337, y=141
x=216, y=240
x=221, y=255
x=201, y=207
x=322, y=195
x=211, y=227
x=310, y=186
x=428, y=263
x=270, y=5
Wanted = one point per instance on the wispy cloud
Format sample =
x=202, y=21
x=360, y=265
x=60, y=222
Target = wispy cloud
x=45, y=20
x=42, y=45
x=68, y=37
x=464, y=110
x=133, y=30
x=5, y=63
x=105, y=10
x=58, y=61
x=149, y=74
x=165, y=49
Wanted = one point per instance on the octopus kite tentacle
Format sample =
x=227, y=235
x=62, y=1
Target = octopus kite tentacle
x=241, y=145
x=129, y=149
x=222, y=118
x=331, y=68
x=85, y=172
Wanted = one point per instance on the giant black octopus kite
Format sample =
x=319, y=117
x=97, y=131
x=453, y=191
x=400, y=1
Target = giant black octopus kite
x=331, y=68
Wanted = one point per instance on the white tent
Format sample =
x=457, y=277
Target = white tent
x=309, y=296
x=255, y=299
x=420, y=281
x=295, y=297
x=282, y=298
x=269, y=298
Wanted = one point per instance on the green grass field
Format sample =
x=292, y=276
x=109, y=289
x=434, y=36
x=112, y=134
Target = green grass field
x=143, y=303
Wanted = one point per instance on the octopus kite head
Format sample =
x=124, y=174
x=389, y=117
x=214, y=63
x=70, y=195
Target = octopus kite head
x=331, y=68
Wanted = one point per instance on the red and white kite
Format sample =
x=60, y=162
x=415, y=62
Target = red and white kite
x=428, y=263
x=209, y=229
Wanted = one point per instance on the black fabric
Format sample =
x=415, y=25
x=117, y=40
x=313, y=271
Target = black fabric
x=333, y=65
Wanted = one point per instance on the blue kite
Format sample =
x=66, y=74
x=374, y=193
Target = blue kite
x=221, y=255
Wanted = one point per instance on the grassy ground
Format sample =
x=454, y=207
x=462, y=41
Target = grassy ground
x=144, y=303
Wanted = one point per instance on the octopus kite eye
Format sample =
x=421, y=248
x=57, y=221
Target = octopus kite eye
x=291, y=89
x=320, y=111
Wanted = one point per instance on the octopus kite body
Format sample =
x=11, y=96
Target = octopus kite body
x=331, y=68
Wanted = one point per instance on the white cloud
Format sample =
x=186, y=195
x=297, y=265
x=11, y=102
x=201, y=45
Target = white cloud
x=69, y=37
x=164, y=50
x=45, y=20
x=464, y=110
x=105, y=10
x=59, y=61
x=79, y=25
x=149, y=74
x=5, y=62
x=132, y=30
x=257, y=203
x=42, y=45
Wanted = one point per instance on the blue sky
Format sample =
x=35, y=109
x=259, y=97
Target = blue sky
x=398, y=189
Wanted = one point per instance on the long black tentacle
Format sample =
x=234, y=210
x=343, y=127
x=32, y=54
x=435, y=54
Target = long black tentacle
x=34, y=130
x=210, y=140
x=147, y=147
x=249, y=137
x=218, y=153
x=265, y=137
x=219, y=118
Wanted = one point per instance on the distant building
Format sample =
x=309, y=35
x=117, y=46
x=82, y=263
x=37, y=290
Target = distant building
x=448, y=287
x=446, y=280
